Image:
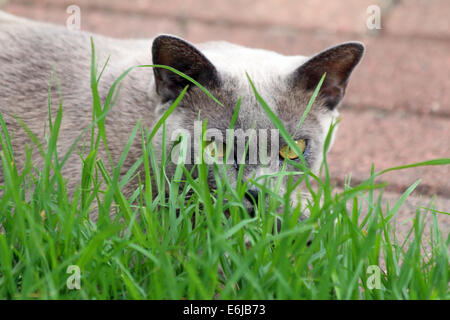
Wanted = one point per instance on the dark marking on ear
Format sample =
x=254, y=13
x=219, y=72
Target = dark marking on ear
x=338, y=62
x=182, y=56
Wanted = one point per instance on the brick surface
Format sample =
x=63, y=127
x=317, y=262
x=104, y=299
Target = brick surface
x=426, y=18
x=390, y=140
x=404, y=74
x=271, y=38
x=125, y=26
x=328, y=15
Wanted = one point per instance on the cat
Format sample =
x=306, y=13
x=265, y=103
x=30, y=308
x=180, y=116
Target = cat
x=32, y=51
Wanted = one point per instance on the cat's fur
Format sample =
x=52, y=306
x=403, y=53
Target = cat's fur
x=31, y=51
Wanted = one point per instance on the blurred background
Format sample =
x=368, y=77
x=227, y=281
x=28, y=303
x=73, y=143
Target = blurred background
x=397, y=107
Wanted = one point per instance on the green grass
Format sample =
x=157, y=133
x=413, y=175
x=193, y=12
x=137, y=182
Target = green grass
x=150, y=248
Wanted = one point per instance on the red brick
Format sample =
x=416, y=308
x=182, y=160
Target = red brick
x=426, y=18
x=330, y=15
x=389, y=140
x=404, y=74
x=107, y=23
x=272, y=38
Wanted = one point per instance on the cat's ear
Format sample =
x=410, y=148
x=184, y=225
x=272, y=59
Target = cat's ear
x=338, y=62
x=182, y=56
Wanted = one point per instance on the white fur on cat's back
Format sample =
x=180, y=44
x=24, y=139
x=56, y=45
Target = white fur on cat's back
x=6, y=17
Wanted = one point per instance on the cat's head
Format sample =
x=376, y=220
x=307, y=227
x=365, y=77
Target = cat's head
x=285, y=83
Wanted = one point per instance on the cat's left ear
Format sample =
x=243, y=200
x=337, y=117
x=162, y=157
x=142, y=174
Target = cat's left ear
x=182, y=56
x=338, y=62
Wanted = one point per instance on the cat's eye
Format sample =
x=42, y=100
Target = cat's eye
x=286, y=152
x=215, y=149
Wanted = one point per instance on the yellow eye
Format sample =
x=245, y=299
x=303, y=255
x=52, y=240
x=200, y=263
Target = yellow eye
x=286, y=152
x=214, y=149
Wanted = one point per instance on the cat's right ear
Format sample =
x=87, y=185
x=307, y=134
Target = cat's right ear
x=338, y=63
x=182, y=56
